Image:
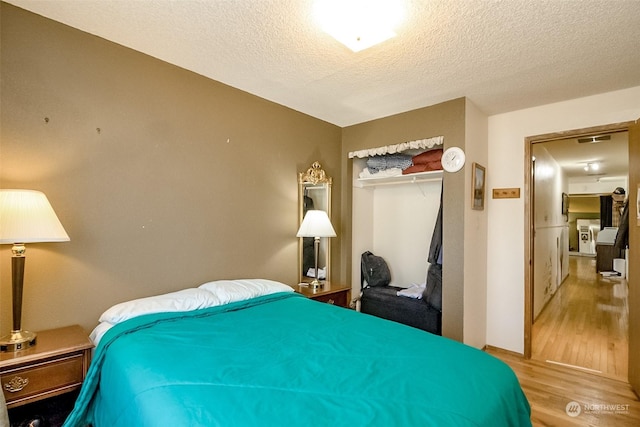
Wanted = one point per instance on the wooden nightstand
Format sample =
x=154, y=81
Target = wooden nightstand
x=57, y=364
x=329, y=293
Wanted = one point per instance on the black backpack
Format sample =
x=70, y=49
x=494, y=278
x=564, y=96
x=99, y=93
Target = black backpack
x=375, y=270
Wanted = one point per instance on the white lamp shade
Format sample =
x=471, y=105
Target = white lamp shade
x=26, y=216
x=316, y=224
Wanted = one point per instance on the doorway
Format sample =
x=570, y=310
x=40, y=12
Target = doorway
x=565, y=317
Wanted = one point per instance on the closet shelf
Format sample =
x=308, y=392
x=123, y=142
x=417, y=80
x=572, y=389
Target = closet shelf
x=400, y=179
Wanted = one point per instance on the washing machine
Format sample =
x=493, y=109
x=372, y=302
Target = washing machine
x=587, y=230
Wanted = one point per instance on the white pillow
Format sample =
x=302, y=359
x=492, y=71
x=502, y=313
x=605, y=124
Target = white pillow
x=184, y=300
x=239, y=290
x=99, y=331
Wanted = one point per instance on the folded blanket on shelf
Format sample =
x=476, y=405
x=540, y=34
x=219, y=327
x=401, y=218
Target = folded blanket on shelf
x=427, y=157
x=380, y=163
x=425, y=162
x=366, y=173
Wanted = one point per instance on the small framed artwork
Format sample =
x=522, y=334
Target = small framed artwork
x=478, y=182
x=565, y=204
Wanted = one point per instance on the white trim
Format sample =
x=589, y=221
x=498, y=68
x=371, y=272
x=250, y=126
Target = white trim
x=398, y=148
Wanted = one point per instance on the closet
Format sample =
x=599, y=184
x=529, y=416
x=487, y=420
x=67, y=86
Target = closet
x=465, y=230
x=394, y=217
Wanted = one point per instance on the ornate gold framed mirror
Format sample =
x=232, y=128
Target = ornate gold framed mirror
x=314, y=193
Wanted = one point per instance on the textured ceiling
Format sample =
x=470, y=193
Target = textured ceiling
x=503, y=55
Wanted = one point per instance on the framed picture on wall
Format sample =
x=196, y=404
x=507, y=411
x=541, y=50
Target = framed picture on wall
x=565, y=204
x=478, y=183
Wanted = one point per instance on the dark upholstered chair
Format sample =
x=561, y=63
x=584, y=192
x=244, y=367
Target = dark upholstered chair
x=425, y=313
x=383, y=301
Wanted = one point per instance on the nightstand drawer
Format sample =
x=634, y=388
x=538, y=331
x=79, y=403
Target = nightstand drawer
x=331, y=293
x=338, y=298
x=40, y=379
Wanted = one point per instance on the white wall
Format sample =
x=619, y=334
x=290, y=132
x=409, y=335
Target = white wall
x=551, y=257
x=591, y=185
x=505, y=257
x=403, y=220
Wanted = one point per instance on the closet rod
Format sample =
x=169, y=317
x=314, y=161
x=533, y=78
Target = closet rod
x=360, y=184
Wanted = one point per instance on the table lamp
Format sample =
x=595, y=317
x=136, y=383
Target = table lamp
x=25, y=217
x=316, y=224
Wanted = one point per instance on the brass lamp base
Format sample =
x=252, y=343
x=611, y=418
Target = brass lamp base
x=17, y=340
x=316, y=284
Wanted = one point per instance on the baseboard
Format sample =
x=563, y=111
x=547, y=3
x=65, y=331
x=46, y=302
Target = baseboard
x=492, y=349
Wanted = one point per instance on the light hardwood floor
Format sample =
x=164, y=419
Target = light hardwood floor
x=586, y=322
x=551, y=388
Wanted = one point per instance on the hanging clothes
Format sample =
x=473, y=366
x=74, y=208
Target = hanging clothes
x=606, y=211
x=433, y=291
x=618, y=196
x=622, y=237
x=435, y=250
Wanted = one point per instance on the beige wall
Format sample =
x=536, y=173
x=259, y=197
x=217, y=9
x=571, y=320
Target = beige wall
x=475, y=231
x=446, y=119
x=186, y=180
x=584, y=204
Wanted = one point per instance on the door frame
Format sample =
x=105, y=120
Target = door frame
x=529, y=208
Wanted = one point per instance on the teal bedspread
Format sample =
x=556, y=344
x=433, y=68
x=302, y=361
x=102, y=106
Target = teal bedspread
x=285, y=360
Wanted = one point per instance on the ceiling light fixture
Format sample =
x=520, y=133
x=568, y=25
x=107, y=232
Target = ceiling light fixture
x=359, y=24
x=591, y=167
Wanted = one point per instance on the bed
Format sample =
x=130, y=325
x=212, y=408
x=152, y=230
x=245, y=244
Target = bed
x=254, y=353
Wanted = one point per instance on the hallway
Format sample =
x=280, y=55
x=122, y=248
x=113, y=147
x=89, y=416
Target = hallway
x=586, y=323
